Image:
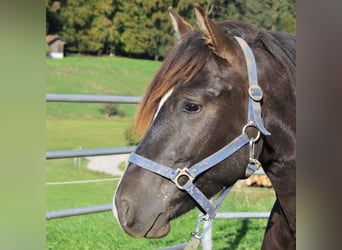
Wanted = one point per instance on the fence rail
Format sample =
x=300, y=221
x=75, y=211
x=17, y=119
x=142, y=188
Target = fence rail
x=56, y=214
x=92, y=98
x=78, y=211
x=61, y=154
x=80, y=181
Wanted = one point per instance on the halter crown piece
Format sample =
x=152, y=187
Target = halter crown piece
x=254, y=120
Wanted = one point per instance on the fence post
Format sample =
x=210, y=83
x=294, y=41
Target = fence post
x=77, y=160
x=207, y=242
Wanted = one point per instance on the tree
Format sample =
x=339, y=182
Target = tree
x=270, y=14
x=160, y=28
x=53, y=20
x=88, y=26
x=142, y=28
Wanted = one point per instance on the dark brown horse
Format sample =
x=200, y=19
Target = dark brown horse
x=200, y=101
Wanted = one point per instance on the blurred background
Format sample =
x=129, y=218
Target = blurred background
x=142, y=28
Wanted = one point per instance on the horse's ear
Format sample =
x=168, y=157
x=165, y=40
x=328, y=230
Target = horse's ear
x=180, y=26
x=221, y=44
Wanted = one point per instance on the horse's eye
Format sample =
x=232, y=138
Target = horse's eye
x=192, y=107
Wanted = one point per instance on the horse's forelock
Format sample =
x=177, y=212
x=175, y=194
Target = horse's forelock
x=184, y=61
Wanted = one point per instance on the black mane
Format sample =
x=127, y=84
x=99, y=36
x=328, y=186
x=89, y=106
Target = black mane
x=281, y=45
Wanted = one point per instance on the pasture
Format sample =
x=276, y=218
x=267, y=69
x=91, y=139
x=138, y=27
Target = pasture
x=70, y=126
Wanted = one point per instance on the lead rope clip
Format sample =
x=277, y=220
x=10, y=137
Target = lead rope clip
x=196, y=237
x=253, y=164
x=252, y=159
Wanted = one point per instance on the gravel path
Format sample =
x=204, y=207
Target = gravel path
x=107, y=164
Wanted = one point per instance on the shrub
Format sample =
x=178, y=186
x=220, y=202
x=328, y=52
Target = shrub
x=130, y=138
x=113, y=110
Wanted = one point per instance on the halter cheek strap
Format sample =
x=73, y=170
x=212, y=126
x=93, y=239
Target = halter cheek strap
x=190, y=174
x=254, y=91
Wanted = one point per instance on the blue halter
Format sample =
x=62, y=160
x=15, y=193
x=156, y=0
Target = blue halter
x=254, y=120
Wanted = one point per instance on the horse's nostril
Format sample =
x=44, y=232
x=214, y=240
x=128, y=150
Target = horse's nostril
x=126, y=213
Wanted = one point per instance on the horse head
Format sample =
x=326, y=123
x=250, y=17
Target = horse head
x=194, y=106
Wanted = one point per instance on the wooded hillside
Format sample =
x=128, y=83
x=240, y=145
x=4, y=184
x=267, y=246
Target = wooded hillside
x=142, y=28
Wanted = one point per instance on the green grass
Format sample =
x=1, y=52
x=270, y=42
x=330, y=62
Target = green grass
x=86, y=133
x=99, y=75
x=70, y=126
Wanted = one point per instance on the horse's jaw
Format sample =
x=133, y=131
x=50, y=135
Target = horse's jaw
x=160, y=228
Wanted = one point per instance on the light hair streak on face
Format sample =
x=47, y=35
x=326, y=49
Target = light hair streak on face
x=162, y=102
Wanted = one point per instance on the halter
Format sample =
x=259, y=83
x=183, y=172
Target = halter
x=190, y=174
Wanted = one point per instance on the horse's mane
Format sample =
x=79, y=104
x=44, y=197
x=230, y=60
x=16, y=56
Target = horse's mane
x=191, y=53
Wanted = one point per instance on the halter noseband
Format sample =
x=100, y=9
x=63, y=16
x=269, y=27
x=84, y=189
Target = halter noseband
x=190, y=174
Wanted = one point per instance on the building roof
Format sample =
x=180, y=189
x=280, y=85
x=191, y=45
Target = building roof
x=52, y=38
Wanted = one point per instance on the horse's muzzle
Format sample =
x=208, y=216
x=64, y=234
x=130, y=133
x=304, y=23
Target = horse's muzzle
x=139, y=221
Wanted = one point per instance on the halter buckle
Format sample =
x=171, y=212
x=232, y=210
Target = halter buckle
x=255, y=92
x=181, y=172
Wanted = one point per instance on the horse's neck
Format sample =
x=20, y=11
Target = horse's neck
x=279, y=149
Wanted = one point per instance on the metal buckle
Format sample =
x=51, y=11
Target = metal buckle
x=255, y=92
x=180, y=173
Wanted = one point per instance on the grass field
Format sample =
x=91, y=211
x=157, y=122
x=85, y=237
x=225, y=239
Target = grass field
x=70, y=126
x=86, y=133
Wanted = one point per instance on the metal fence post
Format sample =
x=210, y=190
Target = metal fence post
x=207, y=242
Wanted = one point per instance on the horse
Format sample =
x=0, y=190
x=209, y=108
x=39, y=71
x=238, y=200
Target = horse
x=222, y=104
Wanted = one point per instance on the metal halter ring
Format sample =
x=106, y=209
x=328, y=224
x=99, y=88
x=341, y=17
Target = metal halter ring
x=252, y=138
x=181, y=173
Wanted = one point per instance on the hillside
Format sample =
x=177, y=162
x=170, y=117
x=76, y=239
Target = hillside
x=96, y=75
